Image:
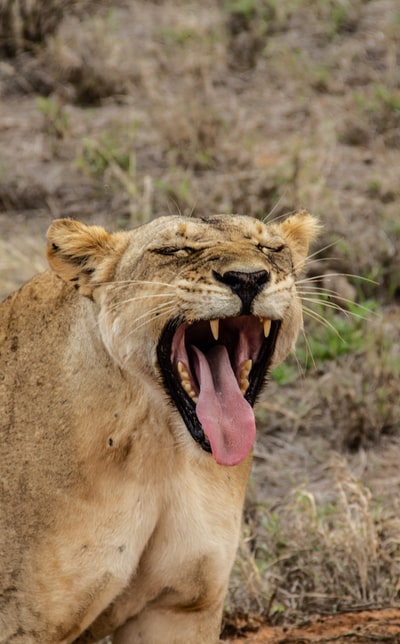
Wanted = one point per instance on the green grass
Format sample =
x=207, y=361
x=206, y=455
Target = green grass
x=56, y=121
x=330, y=335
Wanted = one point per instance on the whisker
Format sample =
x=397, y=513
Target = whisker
x=319, y=318
x=348, y=312
x=324, y=259
x=178, y=211
x=326, y=304
x=308, y=350
x=271, y=212
x=320, y=289
x=136, y=298
x=319, y=277
x=309, y=258
x=320, y=293
x=160, y=308
x=135, y=283
x=321, y=250
x=155, y=313
x=193, y=208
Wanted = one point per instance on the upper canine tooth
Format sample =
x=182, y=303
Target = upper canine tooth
x=267, y=327
x=214, y=324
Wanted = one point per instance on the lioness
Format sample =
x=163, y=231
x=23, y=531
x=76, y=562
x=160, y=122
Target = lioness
x=127, y=378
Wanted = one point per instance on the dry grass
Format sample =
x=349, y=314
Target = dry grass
x=19, y=261
x=318, y=552
x=26, y=23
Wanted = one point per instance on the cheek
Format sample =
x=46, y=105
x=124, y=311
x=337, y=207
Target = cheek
x=131, y=345
x=115, y=337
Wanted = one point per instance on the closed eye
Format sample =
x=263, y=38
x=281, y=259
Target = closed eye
x=184, y=251
x=271, y=249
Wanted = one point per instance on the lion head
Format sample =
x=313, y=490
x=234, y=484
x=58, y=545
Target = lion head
x=199, y=309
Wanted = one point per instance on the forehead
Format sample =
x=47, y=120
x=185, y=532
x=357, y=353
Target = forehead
x=214, y=228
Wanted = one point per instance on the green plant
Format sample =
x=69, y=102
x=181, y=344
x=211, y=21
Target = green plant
x=331, y=332
x=335, y=332
x=111, y=160
x=245, y=8
x=56, y=120
x=286, y=373
x=177, y=189
x=387, y=97
x=103, y=154
x=178, y=36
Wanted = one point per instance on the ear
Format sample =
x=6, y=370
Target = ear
x=83, y=255
x=299, y=231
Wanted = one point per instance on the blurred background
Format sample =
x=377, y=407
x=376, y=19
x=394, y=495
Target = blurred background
x=118, y=112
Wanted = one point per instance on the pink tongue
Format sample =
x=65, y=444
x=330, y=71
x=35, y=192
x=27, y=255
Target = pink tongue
x=227, y=418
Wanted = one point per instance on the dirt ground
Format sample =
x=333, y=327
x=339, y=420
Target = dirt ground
x=357, y=628
x=118, y=112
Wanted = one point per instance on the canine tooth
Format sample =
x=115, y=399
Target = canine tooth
x=244, y=385
x=267, y=327
x=214, y=324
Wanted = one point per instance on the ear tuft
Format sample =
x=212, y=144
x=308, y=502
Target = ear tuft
x=299, y=231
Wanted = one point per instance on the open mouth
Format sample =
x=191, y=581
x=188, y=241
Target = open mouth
x=213, y=371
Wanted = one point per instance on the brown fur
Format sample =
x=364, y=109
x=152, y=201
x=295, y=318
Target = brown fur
x=112, y=518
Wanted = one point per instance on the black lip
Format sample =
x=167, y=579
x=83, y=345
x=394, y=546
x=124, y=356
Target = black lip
x=182, y=400
x=260, y=368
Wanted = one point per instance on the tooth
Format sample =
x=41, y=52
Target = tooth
x=183, y=372
x=267, y=327
x=185, y=381
x=245, y=368
x=214, y=324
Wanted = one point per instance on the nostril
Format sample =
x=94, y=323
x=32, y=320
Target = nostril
x=240, y=279
x=245, y=285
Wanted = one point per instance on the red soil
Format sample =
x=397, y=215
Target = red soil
x=366, y=627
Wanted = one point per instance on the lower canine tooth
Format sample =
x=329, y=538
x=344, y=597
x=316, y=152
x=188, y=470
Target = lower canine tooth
x=267, y=327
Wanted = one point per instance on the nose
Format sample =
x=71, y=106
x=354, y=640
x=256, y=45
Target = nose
x=246, y=285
